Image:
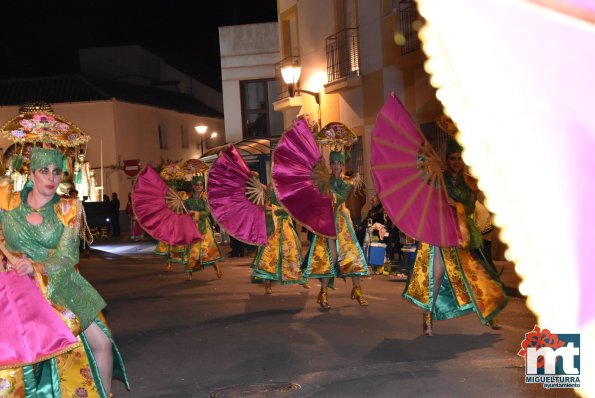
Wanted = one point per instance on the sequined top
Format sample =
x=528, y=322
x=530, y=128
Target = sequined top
x=340, y=189
x=201, y=205
x=458, y=189
x=53, y=243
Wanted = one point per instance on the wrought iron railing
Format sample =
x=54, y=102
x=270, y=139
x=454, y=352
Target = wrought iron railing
x=342, y=54
x=410, y=23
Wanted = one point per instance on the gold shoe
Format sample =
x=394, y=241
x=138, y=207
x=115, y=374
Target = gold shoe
x=218, y=272
x=306, y=285
x=169, y=267
x=356, y=294
x=493, y=323
x=427, y=324
x=323, y=298
x=268, y=289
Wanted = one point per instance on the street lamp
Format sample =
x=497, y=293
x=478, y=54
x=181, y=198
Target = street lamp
x=201, y=129
x=291, y=76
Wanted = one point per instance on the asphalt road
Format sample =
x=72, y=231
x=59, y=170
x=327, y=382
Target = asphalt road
x=214, y=337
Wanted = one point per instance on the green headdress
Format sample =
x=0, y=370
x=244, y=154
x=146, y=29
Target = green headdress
x=452, y=147
x=336, y=156
x=197, y=179
x=41, y=157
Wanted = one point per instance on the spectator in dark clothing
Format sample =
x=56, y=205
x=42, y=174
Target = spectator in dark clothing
x=237, y=247
x=115, y=214
x=376, y=212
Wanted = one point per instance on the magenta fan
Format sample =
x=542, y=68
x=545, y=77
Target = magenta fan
x=237, y=198
x=32, y=330
x=408, y=176
x=295, y=161
x=157, y=207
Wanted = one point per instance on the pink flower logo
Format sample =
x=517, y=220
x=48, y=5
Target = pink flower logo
x=538, y=338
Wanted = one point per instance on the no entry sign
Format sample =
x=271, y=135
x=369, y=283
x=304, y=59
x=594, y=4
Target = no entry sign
x=132, y=167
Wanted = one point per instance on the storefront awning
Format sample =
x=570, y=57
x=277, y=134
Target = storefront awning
x=247, y=147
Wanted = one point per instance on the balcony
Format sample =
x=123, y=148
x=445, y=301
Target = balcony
x=410, y=22
x=342, y=55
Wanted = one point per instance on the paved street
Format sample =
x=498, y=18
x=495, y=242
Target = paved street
x=224, y=338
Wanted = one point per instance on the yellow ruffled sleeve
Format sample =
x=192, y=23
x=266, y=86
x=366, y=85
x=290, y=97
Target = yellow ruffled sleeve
x=8, y=200
x=68, y=211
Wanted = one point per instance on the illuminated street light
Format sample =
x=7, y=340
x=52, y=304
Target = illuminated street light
x=291, y=76
x=201, y=129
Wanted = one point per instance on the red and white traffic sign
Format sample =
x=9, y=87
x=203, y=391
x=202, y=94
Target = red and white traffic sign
x=132, y=167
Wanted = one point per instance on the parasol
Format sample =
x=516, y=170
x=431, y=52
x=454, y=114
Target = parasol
x=40, y=124
x=194, y=167
x=336, y=136
x=157, y=207
x=295, y=160
x=408, y=176
x=236, y=200
x=172, y=172
x=37, y=124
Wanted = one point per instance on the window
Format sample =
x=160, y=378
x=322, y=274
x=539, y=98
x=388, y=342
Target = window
x=436, y=136
x=410, y=21
x=390, y=7
x=355, y=162
x=260, y=119
x=184, y=133
x=162, y=137
x=342, y=48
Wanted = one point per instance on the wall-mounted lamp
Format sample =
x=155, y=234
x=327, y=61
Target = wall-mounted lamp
x=201, y=129
x=291, y=76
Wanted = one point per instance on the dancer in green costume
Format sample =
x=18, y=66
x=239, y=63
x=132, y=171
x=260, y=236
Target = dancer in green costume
x=42, y=230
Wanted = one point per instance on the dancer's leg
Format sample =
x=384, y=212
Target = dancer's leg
x=356, y=292
x=438, y=276
x=101, y=346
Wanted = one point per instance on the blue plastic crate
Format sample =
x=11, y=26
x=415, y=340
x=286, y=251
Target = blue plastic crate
x=376, y=253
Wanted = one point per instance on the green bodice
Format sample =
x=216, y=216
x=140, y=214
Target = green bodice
x=201, y=205
x=341, y=190
x=458, y=189
x=56, y=246
x=38, y=241
x=279, y=210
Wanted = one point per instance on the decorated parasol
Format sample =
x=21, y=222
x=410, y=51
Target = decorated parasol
x=37, y=124
x=236, y=198
x=297, y=164
x=172, y=172
x=160, y=210
x=408, y=176
x=194, y=167
x=336, y=136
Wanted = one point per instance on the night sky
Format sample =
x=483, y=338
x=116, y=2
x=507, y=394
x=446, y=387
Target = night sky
x=42, y=37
